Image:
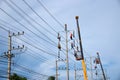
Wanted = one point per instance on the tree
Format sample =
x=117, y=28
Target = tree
x=51, y=78
x=17, y=77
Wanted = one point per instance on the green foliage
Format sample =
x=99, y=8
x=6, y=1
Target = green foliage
x=51, y=78
x=17, y=77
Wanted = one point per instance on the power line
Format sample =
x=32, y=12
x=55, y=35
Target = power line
x=50, y=13
x=25, y=27
x=39, y=15
x=27, y=20
x=38, y=48
x=25, y=69
x=32, y=45
x=29, y=70
x=31, y=17
x=9, y=25
x=35, y=57
x=3, y=28
x=19, y=29
x=51, y=40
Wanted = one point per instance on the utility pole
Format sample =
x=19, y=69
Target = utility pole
x=91, y=68
x=101, y=66
x=66, y=45
x=10, y=48
x=56, y=71
x=81, y=49
x=9, y=55
x=67, y=61
x=75, y=70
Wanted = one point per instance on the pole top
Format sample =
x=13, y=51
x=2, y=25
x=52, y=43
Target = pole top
x=65, y=27
x=97, y=53
x=76, y=17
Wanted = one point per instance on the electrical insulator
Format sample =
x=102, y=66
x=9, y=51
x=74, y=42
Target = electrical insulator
x=72, y=45
x=74, y=34
x=23, y=46
x=77, y=48
x=13, y=34
x=65, y=27
x=23, y=32
x=59, y=37
x=13, y=47
x=59, y=46
x=75, y=53
x=18, y=46
x=18, y=33
x=5, y=53
x=71, y=36
x=96, y=73
x=95, y=67
x=97, y=61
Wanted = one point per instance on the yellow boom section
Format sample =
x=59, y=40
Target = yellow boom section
x=84, y=70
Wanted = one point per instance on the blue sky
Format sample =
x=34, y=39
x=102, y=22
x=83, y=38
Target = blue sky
x=99, y=22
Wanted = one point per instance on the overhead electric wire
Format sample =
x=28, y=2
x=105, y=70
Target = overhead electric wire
x=28, y=29
x=73, y=60
x=50, y=13
x=15, y=28
x=3, y=43
x=4, y=28
x=39, y=16
x=3, y=76
x=38, y=48
x=18, y=38
x=31, y=18
x=28, y=21
x=18, y=31
x=3, y=37
x=29, y=70
x=24, y=26
x=19, y=22
x=27, y=75
x=44, y=59
x=35, y=57
x=26, y=69
x=36, y=52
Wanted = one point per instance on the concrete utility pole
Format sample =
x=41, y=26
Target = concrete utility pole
x=60, y=48
x=9, y=54
x=101, y=66
x=91, y=68
x=56, y=71
x=75, y=70
x=67, y=61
